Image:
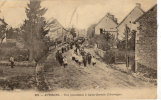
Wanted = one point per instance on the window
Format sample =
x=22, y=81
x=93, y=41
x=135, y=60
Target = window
x=101, y=31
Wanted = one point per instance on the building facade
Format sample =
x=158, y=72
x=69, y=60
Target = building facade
x=107, y=25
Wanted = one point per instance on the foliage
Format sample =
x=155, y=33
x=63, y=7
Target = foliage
x=91, y=31
x=109, y=57
x=18, y=54
x=73, y=32
x=131, y=42
x=34, y=30
x=104, y=42
x=3, y=29
x=12, y=33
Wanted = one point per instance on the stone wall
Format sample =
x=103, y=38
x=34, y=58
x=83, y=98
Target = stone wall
x=146, y=40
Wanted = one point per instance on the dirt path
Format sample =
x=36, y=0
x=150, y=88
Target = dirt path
x=75, y=77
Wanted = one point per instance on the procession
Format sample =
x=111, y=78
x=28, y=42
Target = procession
x=79, y=55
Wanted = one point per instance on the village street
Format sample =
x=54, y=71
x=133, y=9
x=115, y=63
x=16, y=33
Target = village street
x=77, y=77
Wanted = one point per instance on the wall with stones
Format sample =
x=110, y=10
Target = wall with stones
x=146, y=40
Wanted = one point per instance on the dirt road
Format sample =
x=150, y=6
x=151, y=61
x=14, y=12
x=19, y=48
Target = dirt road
x=76, y=77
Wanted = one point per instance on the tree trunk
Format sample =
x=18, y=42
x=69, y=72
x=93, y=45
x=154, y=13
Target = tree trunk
x=31, y=54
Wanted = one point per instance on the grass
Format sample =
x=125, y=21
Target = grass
x=17, y=78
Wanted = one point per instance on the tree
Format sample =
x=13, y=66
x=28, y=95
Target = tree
x=34, y=29
x=73, y=32
x=3, y=29
x=132, y=40
x=91, y=31
x=107, y=36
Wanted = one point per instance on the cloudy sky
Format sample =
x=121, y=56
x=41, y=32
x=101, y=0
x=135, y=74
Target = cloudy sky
x=87, y=11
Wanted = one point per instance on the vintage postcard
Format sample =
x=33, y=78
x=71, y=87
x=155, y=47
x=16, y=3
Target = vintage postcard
x=78, y=49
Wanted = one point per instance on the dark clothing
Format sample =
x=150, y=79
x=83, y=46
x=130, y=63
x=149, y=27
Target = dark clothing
x=12, y=64
x=85, y=60
x=57, y=55
x=89, y=58
x=71, y=46
x=73, y=58
x=65, y=65
x=62, y=50
x=79, y=63
x=68, y=47
x=61, y=59
x=94, y=63
x=76, y=51
x=82, y=53
x=12, y=61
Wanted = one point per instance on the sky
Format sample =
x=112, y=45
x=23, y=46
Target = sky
x=88, y=12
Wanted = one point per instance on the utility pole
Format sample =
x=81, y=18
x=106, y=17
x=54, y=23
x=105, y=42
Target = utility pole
x=127, y=30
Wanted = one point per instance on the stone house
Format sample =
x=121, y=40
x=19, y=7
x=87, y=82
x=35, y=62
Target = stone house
x=56, y=30
x=146, y=40
x=106, y=25
x=128, y=20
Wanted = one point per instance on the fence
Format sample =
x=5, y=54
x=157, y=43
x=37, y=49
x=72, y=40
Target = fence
x=119, y=57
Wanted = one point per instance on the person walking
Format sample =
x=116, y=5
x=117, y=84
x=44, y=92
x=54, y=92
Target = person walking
x=12, y=62
x=65, y=62
x=84, y=60
x=62, y=50
x=61, y=59
x=57, y=55
x=89, y=58
x=93, y=61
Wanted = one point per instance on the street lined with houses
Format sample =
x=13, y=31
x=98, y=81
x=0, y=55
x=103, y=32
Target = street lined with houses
x=100, y=76
x=46, y=55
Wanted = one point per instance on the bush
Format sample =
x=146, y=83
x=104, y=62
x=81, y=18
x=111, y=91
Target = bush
x=8, y=45
x=148, y=72
x=18, y=54
x=109, y=57
x=101, y=41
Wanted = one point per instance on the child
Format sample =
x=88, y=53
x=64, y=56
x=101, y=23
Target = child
x=65, y=61
x=93, y=61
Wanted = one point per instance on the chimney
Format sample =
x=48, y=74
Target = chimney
x=112, y=17
x=115, y=20
x=138, y=5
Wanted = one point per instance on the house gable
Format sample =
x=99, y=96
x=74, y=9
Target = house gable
x=106, y=23
x=129, y=19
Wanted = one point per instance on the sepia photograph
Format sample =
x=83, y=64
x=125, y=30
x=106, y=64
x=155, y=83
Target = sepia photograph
x=84, y=49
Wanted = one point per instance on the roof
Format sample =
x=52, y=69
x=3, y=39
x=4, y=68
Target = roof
x=129, y=15
x=3, y=21
x=56, y=25
x=146, y=13
x=102, y=19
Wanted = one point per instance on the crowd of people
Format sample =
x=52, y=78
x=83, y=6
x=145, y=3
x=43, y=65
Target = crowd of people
x=59, y=54
x=82, y=57
x=78, y=55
